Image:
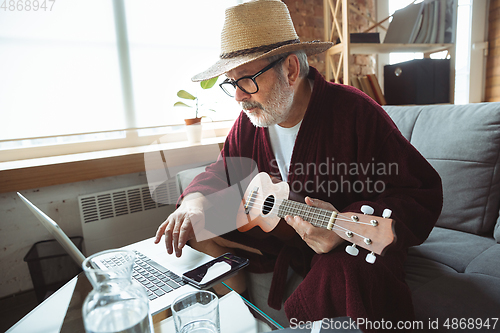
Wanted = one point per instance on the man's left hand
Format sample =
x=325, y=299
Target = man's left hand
x=319, y=239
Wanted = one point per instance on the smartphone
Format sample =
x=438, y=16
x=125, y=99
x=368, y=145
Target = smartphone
x=215, y=271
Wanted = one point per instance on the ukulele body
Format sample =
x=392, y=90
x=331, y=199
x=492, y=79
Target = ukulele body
x=259, y=208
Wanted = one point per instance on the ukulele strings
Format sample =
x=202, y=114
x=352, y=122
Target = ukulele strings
x=325, y=215
x=259, y=203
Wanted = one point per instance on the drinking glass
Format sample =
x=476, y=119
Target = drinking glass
x=196, y=312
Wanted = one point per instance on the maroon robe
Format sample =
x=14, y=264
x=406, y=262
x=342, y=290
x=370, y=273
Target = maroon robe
x=347, y=152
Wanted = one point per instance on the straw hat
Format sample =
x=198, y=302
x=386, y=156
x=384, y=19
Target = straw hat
x=256, y=30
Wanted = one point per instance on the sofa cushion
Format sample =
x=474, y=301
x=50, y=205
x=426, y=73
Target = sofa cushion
x=441, y=293
x=462, y=142
x=185, y=177
x=456, y=295
x=486, y=262
x=452, y=248
x=420, y=270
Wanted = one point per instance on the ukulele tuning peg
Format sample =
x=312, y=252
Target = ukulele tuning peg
x=367, y=210
x=386, y=213
x=370, y=258
x=352, y=250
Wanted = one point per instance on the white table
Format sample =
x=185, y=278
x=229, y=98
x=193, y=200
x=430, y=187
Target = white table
x=48, y=317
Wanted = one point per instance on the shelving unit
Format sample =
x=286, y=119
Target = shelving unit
x=337, y=61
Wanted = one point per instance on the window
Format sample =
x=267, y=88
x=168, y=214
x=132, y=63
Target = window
x=183, y=41
x=67, y=74
x=59, y=70
x=463, y=49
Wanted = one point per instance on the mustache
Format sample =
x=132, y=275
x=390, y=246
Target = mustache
x=250, y=105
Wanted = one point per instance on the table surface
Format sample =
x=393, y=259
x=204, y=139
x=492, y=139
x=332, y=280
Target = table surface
x=64, y=307
x=236, y=316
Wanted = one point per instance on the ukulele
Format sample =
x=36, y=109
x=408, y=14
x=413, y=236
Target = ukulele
x=265, y=203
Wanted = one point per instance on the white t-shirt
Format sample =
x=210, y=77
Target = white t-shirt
x=282, y=142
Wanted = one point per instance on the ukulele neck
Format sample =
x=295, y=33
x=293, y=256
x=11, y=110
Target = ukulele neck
x=318, y=217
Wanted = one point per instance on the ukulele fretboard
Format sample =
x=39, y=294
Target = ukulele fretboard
x=318, y=217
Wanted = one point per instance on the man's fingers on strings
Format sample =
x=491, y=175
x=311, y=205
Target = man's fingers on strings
x=297, y=223
x=306, y=230
x=315, y=202
x=319, y=203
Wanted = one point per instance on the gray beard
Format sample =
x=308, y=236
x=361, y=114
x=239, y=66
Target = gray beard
x=276, y=109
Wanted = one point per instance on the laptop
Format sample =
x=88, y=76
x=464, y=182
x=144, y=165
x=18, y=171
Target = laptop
x=157, y=271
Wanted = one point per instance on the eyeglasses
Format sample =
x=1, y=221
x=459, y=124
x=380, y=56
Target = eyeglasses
x=247, y=84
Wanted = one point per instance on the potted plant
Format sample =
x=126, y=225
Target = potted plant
x=193, y=125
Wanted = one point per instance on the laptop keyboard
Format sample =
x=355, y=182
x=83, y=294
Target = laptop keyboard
x=156, y=279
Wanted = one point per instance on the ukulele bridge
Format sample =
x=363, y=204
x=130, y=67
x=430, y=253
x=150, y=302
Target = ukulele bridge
x=250, y=199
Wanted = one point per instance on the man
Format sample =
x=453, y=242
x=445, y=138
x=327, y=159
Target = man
x=333, y=145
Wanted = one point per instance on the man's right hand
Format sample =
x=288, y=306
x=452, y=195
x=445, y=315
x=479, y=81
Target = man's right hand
x=178, y=228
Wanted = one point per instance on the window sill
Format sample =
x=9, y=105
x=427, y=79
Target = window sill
x=55, y=170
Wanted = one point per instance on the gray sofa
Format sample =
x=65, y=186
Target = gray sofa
x=455, y=274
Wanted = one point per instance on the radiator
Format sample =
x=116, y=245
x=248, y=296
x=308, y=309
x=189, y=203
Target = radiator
x=122, y=216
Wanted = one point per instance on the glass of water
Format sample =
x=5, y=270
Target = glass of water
x=196, y=312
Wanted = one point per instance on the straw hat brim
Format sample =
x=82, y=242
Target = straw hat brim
x=225, y=65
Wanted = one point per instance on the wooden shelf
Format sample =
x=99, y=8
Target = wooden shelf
x=336, y=26
x=374, y=48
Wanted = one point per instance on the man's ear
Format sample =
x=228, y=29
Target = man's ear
x=292, y=69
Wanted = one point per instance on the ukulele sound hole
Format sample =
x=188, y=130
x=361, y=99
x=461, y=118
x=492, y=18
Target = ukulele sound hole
x=268, y=205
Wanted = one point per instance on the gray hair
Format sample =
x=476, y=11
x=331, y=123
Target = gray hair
x=301, y=55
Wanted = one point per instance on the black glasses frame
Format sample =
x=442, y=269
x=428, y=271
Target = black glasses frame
x=251, y=77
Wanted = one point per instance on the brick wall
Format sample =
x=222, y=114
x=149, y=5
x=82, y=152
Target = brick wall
x=307, y=16
x=362, y=64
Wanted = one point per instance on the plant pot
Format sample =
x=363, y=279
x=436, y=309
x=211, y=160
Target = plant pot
x=193, y=130
x=192, y=121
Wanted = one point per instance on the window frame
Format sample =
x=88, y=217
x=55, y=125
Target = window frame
x=131, y=136
x=174, y=134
